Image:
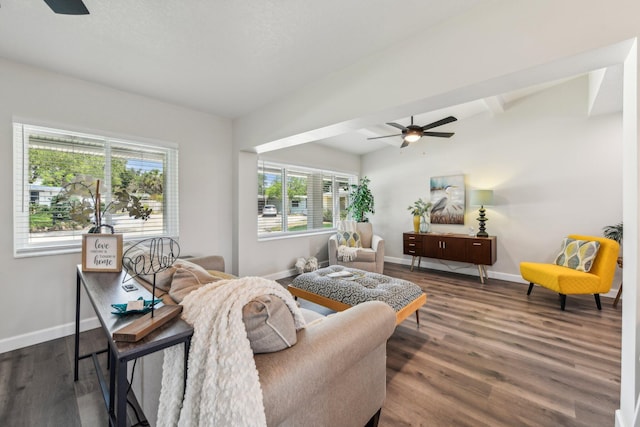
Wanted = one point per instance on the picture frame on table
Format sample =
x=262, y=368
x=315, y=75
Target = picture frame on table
x=102, y=252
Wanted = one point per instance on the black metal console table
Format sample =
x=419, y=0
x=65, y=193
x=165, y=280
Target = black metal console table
x=103, y=290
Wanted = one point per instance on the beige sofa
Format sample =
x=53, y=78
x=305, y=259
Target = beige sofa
x=369, y=258
x=335, y=375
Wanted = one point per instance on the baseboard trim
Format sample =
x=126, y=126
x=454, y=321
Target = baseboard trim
x=43, y=335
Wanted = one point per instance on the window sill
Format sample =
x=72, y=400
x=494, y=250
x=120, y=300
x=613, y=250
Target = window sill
x=282, y=236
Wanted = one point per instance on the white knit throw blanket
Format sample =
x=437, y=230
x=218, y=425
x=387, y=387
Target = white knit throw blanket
x=223, y=388
x=346, y=253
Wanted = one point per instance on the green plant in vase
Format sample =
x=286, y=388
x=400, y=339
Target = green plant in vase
x=420, y=210
x=361, y=201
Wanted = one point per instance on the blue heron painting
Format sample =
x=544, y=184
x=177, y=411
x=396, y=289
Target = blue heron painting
x=447, y=196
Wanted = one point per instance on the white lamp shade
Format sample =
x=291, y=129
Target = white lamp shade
x=482, y=197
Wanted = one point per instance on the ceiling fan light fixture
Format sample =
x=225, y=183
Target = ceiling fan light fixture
x=412, y=136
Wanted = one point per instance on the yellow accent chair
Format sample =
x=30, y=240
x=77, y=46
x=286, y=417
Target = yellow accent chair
x=566, y=281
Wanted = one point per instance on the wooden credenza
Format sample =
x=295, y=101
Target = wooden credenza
x=480, y=251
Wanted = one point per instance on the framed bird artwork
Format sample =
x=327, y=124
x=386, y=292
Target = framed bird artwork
x=448, y=198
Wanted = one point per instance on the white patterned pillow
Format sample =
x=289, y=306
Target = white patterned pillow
x=577, y=254
x=350, y=239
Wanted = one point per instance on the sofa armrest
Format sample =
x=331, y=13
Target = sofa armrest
x=210, y=262
x=377, y=244
x=333, y=250
x=324, y=361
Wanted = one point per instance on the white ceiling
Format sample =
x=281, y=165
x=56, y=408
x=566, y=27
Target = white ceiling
x=223, y=57
x=605, y=97
x=229, y=58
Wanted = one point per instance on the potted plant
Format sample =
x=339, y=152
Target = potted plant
x=420, y=209
x=361, y=201
x=613, y=232
x=82, y=200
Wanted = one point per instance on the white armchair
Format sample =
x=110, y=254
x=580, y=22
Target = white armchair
x=369, y=257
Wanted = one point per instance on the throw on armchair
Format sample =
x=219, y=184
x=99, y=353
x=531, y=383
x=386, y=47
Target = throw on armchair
x=368, y=248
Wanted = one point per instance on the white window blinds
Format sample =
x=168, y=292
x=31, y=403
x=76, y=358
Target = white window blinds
x=47, y=161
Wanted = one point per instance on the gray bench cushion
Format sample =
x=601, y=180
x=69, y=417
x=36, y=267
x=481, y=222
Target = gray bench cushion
x=369, y=287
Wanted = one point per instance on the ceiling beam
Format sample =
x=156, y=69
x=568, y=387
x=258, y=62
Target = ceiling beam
x=605, y=90
x=495, y=104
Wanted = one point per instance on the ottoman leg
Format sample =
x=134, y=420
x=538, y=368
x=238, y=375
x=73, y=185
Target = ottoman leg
x=418, y=317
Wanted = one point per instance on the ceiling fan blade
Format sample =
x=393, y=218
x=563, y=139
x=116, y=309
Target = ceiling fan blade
x=396, y=125
x=439, y=123
x=387, y=136
x=68, y=7
x=440, y=134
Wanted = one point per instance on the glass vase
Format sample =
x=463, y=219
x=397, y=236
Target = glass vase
x=424, y=225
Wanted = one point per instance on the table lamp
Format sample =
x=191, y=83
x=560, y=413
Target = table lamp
x=482, y=198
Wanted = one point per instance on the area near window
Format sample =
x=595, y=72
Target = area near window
x=294, y=199
x=47, y=160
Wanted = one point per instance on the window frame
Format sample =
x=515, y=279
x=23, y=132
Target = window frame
x=287, y=169
x=23, y=243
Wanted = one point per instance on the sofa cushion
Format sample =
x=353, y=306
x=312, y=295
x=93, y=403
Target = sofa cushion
x=221, y=274
x=365, y=255
x=577, y=254
x=187, y=278
x=349, y=238
x=269, y=323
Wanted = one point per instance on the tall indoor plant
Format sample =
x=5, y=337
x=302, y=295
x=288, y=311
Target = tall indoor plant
x=361, y=201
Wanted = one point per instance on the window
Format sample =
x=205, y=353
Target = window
x=48, y=162
x=294, y=199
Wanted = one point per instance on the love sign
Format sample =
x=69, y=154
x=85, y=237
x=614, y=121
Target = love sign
x=102, y=252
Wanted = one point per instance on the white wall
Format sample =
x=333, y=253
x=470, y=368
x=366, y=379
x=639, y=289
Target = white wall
x=275, y=258
x=39, y=292
x=554, y=171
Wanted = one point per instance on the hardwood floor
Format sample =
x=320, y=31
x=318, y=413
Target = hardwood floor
x=37, y=387
x=488, y=355
x=483, y=355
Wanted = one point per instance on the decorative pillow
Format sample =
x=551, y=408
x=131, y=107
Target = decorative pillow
x=577, y=254
x=269, y=323
x=187, y=279
x=349, y=238
x=221, y=274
